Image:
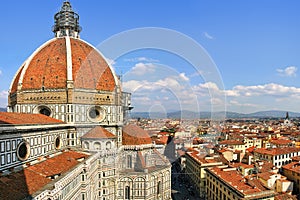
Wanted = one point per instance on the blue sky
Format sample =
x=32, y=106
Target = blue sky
x=254, y=44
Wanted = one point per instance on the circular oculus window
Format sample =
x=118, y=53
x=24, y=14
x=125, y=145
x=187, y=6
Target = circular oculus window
x=44, y=110
x=58, y=143
x=23, y=151
x=96, y=114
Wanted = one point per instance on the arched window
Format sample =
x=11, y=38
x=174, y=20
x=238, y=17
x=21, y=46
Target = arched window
x=127, y=192
x=97, y=145
x=86, y=145
x=158, y=188
x=108, y=145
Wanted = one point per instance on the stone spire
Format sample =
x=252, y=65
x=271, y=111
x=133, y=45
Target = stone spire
x=287, y=115
x=66, y=22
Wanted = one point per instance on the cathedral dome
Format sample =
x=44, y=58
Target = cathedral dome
x=68, y=79
x=62, y=60
x=65, y=61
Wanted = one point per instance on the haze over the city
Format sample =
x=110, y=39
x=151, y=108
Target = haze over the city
x=254, y=44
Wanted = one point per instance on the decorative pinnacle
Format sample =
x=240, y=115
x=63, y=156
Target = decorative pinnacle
x=66, y=22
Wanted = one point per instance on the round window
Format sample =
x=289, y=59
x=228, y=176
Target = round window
x=57, y=143
x=96, y=114
x=23, y=151
x=45, y=111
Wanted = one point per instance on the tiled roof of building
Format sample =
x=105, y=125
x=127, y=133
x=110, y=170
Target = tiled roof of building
x=238, y=182
x=162, y=140
x=134, y=135
x=26, y=119
x=285, y=197
x=293, y=166
x=98, y=133
x=48, y=68
x=265, y=175
x=251, y=149
x=22, y=184
x=231, y=142
x=277, y=151
x=281, y=142
x=202, y=159
x=243, y=165
x=264, y=166
x=296, y=158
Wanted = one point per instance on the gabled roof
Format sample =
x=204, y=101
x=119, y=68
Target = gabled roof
x=134, y=135
x=98, y=133
x=27, y=119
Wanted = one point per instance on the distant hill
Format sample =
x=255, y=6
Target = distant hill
x=214, y=115
x=273, y=113
x=2, y=109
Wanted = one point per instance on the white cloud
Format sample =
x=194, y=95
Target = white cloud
x=208, y=36
x=288, y=71
x=173, y=92
x=0, y=72
x=140, y=59
x=271, y=89
x=183, y=77
x=142, y=69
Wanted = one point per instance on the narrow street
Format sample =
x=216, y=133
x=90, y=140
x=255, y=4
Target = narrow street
x=181, y=188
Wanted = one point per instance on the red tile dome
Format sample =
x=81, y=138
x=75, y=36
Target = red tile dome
x=61, y=60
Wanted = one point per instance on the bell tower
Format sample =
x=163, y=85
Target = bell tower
x=66, y=22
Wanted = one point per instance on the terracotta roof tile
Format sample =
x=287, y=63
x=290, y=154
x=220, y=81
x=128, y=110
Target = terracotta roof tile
x=90, y=70
x=264, y=166
x=28, y=181
x=237, y=181
x=265, y=175
x=296, y=158
x=98, y=133
x=281, y=142
x=24, y=118
x=293, y=166
x=285, y=197
x=134, y=135
x=277, y=151
x=162, y=140
x=48, y=68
